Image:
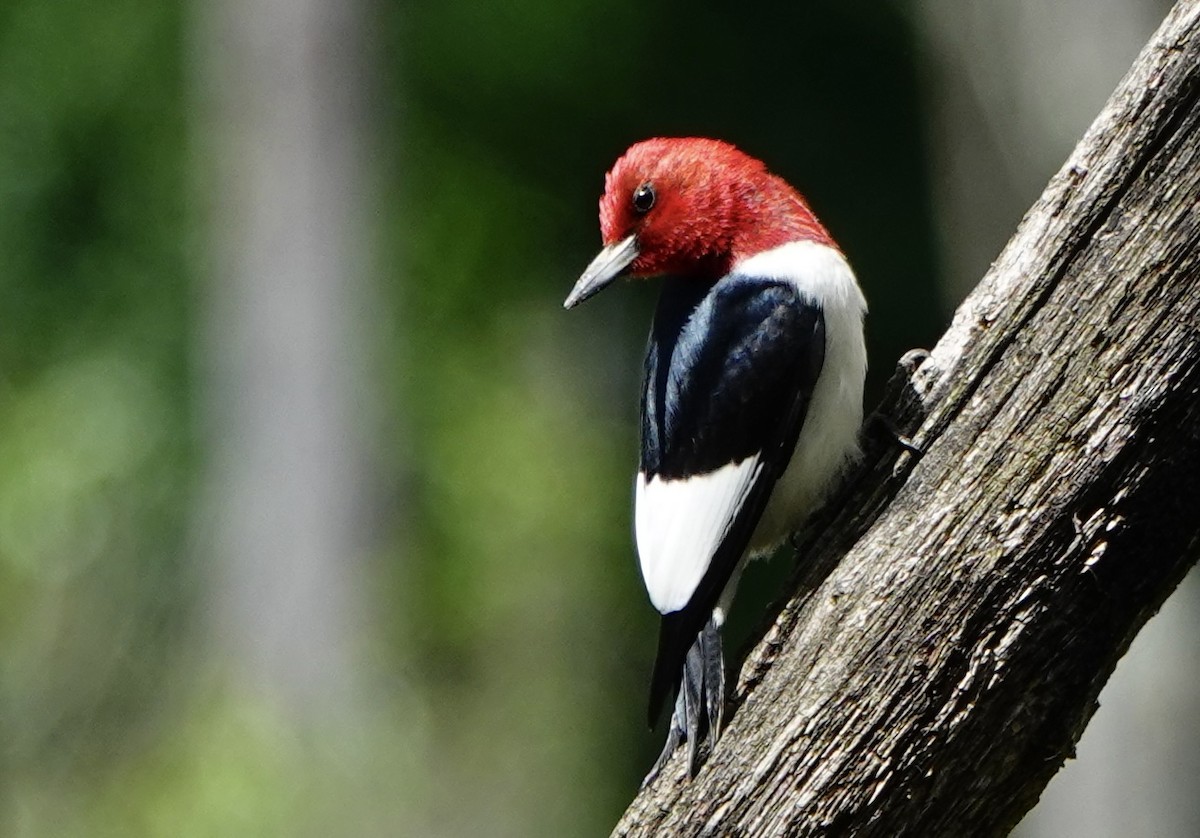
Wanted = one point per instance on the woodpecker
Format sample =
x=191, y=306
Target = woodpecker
x=752, y=397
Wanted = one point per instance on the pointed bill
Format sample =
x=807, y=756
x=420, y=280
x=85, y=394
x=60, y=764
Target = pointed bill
x=609, y=264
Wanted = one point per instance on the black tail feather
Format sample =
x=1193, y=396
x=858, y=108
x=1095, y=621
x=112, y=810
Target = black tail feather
x=713, y=660
x=676, y=635
x=690, y=667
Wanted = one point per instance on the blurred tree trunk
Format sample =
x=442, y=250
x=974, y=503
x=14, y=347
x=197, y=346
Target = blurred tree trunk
x=958, y=613
x=1012, y=86
x=287, y=318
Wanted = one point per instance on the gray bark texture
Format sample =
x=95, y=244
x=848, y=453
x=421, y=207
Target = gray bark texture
x=955, y=614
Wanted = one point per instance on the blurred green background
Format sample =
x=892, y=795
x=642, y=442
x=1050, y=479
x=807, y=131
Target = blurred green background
x=314, y=504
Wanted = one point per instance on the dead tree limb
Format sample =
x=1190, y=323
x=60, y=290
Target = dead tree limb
x=956, y=614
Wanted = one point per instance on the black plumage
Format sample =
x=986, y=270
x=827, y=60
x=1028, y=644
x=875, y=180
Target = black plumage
x=729, y=372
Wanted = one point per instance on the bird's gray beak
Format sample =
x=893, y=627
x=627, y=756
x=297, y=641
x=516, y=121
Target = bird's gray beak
x=609, y=264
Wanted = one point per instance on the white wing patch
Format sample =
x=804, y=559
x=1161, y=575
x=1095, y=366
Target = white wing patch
x=679, y=524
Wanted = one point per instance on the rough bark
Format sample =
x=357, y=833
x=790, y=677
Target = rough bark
x=956, y=614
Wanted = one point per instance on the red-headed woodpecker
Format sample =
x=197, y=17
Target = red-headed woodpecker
x=752, y=398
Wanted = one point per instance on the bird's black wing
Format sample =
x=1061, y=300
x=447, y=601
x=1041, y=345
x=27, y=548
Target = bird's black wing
x=730, y=370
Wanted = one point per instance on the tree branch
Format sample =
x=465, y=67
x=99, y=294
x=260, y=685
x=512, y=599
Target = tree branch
x=957, y=614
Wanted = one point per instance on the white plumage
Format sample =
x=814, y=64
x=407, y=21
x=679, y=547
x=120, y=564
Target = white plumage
x=679, y=524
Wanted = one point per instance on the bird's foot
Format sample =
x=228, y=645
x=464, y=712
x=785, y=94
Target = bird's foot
x=905, y=370
x=907, y=443
x=910, y=360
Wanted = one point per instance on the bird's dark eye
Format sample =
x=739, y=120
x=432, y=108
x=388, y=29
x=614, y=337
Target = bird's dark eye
x=643, y=198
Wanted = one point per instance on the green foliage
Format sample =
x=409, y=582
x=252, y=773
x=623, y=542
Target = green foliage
x=94, y=439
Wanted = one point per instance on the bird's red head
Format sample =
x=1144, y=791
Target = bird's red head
x=691, y=207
